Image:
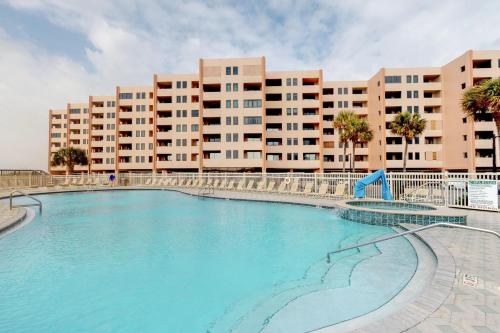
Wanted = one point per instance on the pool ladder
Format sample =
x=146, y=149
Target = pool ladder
x=37, y=202
x=441, y=224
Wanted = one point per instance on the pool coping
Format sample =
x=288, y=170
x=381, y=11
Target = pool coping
x=427, y=302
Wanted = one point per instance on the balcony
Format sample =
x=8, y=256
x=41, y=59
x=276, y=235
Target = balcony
x=212, y=129
x=484, y=143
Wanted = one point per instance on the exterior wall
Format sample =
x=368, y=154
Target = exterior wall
x=235, y=116
x=339, y=96
x=294, y=122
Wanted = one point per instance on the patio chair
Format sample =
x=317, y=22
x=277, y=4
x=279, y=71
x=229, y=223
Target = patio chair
x=222, y=184
x=282, y=187
x=340, y=191
x=216, y=183
x=230, y=186
x=241, y=185
x=294, y=188
x=270, y=186
x=323, y=190
x=308, y=188
x=250, y=185
x=260, y=186
x=148, y=181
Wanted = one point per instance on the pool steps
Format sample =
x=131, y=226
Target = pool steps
x=253, y=314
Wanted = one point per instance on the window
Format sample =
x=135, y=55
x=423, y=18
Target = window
x=415, y=78
x=194, y=113
x=235, y=154
x=228, y=103
x=235, y=120
x=288, y=96
x=464, y=120
x=235, y=137
x=235, y=86
x=295, y=96
x=408, y=94
x=252, y=103
x=252, y=120
x=235, y=70
x=292, y=126
x=235, y=103
x=415, y=94
x=288, y=82
x=125, y=96
x=273, y=157
x=408, y=78
x=415, y=109
x=346, y=104
x=462, y=69
x=465, y=155
x=194, y=128
x=228, y=154
x=339, y=104
x=339, y=90
x=228, y=137
x=228, y=120
x=228, y=70
x=292, y=156
x=74, y=111
x=463, y=85
x=345, y=91
x=228, y=86
x=253, y=155
x=393, y=79
x=465, y=137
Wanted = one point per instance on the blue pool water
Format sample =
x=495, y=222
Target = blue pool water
x=160, y=261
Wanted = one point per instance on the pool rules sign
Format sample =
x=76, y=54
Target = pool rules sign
x=482, y=194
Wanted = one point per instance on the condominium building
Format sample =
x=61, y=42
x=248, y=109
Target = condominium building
x=234, y=115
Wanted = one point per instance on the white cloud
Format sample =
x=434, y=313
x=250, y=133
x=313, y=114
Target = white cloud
x=131, y=40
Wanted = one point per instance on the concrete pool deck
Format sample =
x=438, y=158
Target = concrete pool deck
x=472, y=304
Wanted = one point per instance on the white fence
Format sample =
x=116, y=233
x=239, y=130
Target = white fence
x=445, y=189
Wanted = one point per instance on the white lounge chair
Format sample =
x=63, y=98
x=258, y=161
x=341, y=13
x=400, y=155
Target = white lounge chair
x=216, y=183
x=340, y=191
x=308, y=188
x=250, y=185
x=270, y=186
x=148, y=181
x=223, y=184
x=260, y=186
x=294, y=188
x=181, y=182
x=241, y=185
x=201, y=183
x=282, y=187
x=230, y=186
x=323, y=190
x=189, y=183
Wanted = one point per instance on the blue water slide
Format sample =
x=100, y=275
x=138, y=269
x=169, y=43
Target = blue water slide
x=360, y=185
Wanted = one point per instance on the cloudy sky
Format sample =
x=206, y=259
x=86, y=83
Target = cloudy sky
x=58, y=51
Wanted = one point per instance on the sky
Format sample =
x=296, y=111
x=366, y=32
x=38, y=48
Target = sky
x=57, y=51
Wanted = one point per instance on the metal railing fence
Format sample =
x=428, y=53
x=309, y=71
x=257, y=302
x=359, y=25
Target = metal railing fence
x=410, y=186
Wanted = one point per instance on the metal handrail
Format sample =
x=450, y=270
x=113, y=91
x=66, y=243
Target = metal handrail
x=38, y=202
x=441, y=224
x=207, y=189
x=442, y=187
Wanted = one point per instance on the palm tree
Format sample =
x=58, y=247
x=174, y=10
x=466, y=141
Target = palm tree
x=69, y=157
x=483, y=98
x=408, y=125
x=359, y=133
x=343, y=122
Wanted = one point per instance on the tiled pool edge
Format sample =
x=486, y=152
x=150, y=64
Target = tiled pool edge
x=391, y=218
x=426, y=303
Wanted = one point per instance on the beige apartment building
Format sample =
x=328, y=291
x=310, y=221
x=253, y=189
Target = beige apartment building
x=234, y=115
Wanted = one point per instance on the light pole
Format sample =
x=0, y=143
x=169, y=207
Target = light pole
x=495, y=152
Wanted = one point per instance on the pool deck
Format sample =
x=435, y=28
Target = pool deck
x=473, y=303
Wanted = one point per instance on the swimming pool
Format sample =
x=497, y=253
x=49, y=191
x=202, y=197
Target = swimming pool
x=161, y=261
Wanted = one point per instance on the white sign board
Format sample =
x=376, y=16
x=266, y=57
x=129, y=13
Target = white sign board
x=483, y=194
